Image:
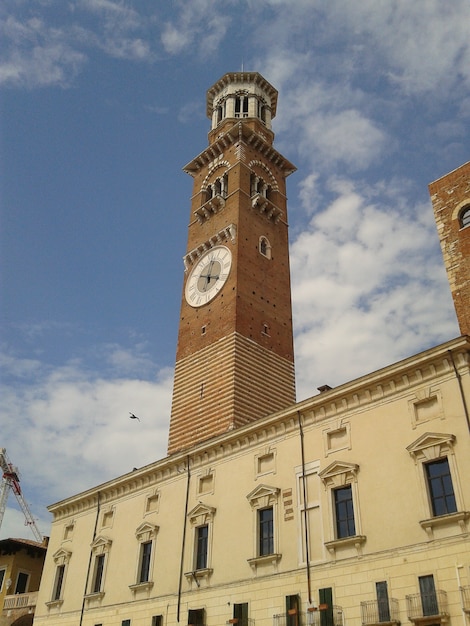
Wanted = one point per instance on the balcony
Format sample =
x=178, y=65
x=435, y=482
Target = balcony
x=20, y=601
x=266, y=207
x=314, y=617
x=465, y=593
x=380, y=612
x=427, y=607
x=210, y=207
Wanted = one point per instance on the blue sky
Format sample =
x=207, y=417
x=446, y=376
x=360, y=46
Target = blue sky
x=103, y=103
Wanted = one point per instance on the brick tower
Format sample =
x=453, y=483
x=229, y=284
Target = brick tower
x=234, y=360
x=450, y=196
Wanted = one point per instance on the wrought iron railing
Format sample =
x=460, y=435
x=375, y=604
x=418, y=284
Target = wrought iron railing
x=465, y=593
x=379, y=611
x=421, y=605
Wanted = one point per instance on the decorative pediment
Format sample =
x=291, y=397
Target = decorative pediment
x=101, y=544
x=431, y=446
x=61, y=557
x=146, y=531
x=263, y=496
x=201, y=514
x=339, y=473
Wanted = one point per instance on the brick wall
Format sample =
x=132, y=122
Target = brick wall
x=450, y=195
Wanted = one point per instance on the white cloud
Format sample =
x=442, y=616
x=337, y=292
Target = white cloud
x=37, y=55
x=418, y=47
x=39, y=52
x=368, y=282
x=69, y=429
x=200, y=23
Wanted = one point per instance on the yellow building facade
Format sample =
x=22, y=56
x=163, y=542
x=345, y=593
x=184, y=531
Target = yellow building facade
x=351, y=508
x=21, y=565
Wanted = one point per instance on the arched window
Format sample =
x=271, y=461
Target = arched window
x=262, y=111
x=465, y=216
x=265, y=247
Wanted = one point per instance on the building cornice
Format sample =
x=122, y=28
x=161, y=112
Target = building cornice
x=232, y=78
x=237, y=134
x=367, y=391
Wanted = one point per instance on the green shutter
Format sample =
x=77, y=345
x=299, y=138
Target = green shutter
x=326, y=599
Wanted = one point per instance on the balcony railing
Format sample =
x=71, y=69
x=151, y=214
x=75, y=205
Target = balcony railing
x=314, y=617
x=379, y=611
x=20, y=600
x=465, y=592
x=287, y=619
x=421, y=606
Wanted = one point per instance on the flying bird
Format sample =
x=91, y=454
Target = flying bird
x=133, y=417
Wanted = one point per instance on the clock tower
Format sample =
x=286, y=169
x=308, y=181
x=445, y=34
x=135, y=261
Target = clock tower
x=235, y=359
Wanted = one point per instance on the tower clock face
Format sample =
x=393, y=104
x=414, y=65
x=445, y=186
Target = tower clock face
x=208, y=276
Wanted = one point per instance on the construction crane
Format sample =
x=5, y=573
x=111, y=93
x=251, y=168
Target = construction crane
x=11, y=480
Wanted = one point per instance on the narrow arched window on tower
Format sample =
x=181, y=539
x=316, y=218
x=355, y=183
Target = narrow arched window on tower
x=245, y=106
x=224, y=182
x=262, y=111
x=465, y=216
x=238, y=106
x=265, y=247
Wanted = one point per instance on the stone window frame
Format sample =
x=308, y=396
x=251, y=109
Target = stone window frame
x=337, y=475
x=264, y=497
x=69, y=527
x=421, y=397
x=459, y=210
x=202, y=486
x=144, y=533
x=61, y=558
x=153, y=496
x=264, y=454
x=335, y=429
x=201, y=515
x=101, y=546
x=433, y=447
x=264, y=247
x=107, y=516
x=464, y=215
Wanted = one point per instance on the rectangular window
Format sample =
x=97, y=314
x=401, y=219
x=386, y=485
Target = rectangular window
x=196, y=617
x=59, y=579
x=2, y=577
x=382, y=601
x=240, y=613
x=428, y=595
x=202, y=534
x=98, y=573
x=292, y=610
x=245, y=106
x=441, y=491
x=325, y=597
x=157, y=620
x=126, y=622
x=266, y=531
x=145, y=555
x=344, y=511
x=22, y=583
